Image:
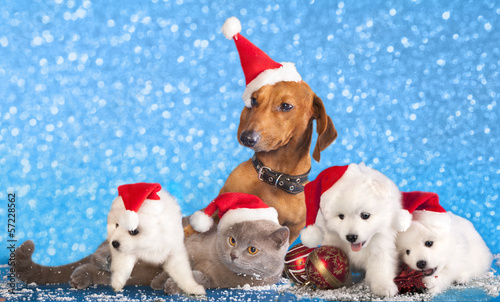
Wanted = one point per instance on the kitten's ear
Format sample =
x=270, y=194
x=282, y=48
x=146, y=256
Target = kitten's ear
x=280, y=236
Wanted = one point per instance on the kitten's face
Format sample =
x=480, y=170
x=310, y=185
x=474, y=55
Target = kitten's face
x=255, y=248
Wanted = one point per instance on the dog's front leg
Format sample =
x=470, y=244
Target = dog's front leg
x=178, y=267
x=121, y=268
x=381, y=271
x=437, y=284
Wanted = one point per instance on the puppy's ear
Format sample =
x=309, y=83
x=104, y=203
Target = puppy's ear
x=325, y=128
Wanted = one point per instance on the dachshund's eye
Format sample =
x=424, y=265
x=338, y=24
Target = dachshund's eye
x=408, y=252
x=232, y=241
x=365, y=216
x=341, y=216
x=253, y=102
x=285, y=107
x=252, y=250
x=133, y=232
x=429, y=243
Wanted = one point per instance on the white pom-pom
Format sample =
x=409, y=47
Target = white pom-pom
x=201, y=222
x=403, y=220
x=311, y=236
x=231, y=27
x=129, y=220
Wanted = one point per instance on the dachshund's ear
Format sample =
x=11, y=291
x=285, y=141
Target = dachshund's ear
x=325, y=128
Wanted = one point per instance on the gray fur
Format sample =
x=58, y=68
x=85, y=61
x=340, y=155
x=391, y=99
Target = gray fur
x=209, y=255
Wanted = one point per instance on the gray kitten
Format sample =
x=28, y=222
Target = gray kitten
x=249, y=252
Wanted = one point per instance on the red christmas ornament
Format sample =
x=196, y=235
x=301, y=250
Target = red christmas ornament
x=295, y=263
x=327, y=267
x=409, y=280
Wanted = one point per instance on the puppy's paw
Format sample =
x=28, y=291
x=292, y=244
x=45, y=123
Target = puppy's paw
x=117, y=285
x=463, y=278
x=80, y=278
x=434, y=285
x=196, y=290
x=171, y=287
x=384, y=289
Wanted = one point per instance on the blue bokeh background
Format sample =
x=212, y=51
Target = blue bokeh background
x=95, y=94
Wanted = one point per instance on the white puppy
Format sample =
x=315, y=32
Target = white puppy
x=152, y=232
x=446, y=249
x=360, y=213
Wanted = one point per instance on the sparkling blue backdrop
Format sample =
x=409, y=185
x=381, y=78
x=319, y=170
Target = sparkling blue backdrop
x=95, y=94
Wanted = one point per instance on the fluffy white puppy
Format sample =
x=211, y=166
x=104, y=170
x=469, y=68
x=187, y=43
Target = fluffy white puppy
x=148, y=227
x=445, y=247
x=358, y=210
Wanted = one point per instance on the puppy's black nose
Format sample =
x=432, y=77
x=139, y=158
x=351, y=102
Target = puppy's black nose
x=351, y=238
x=421, y=264
x=115, y=244
x=249, y=138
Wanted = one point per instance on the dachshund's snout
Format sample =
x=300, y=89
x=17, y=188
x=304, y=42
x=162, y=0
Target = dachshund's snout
x=249, y=138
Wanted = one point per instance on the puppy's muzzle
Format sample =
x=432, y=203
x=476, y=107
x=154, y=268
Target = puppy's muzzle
x=249, y=138
x=115, y=244
x=421, y=264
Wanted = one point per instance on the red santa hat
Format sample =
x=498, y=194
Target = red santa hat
x=258, y=67
x=312, y=236
x=233, y=208
x=134, y=196
x=425, y=208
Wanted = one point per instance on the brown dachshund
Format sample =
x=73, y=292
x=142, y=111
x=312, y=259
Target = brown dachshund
x=279, y=128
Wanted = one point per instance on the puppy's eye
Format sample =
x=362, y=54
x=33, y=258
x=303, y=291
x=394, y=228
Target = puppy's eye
x=429, y=243
x=408, y=252
x=365, y=216
x=252, y=250
x=341, y=216
x=133, y=232
x=253, y=102
x=117, y=225
x=232, y=241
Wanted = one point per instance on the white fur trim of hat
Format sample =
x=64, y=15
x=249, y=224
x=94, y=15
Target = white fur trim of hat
x=434, y=220
x=244, y=214
x=129, y=220
x=286, y=73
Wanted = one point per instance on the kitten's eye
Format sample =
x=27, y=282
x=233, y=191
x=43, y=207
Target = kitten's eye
x=253, y=102
x=285, y=107
x=133, y=232
x=252, y=250
x=429, y=243
x=365, y=216
x=341, y=216
x=232, y=241
x=408, y=252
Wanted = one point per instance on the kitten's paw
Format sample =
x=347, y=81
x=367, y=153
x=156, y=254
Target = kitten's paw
x=158, y=282
x=171, y=287
x=24, y=265
x=80, y=278
x=384, y=289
